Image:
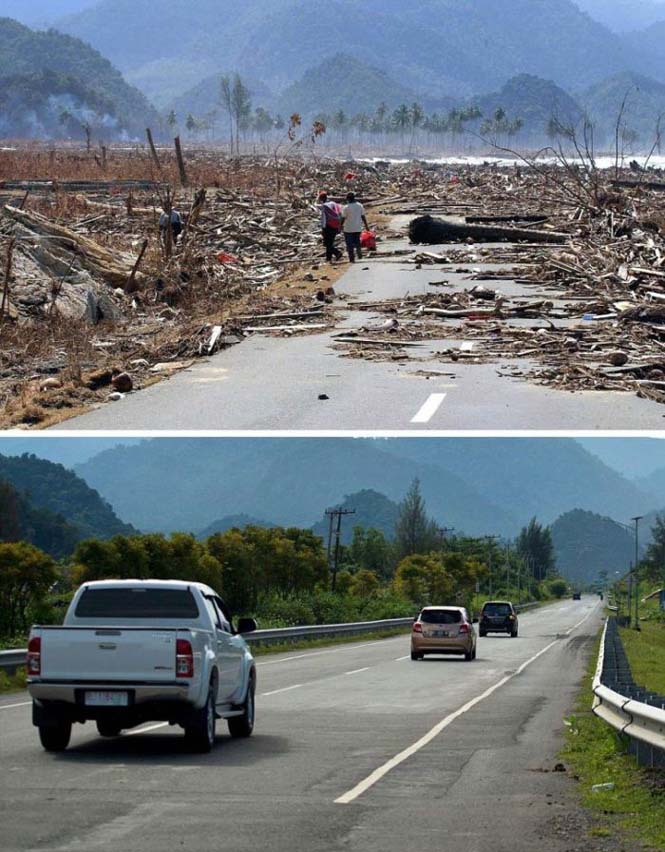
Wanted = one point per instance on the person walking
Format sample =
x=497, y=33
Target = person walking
x=331, y=225
x=176, y=225
x=353, y=219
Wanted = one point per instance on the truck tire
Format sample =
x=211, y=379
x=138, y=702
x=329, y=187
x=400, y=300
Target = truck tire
x=242, y=726
x=106, y=728
x=55, y=737
x=200, y=732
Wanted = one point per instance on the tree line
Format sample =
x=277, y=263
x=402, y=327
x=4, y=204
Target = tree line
x=407, y=122
x=283, y=575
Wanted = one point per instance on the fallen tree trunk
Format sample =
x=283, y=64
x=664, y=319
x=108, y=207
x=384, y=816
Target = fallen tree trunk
x=114, y=268
x=430, y=231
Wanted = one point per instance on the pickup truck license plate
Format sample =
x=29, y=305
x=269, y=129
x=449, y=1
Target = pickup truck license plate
x=107, y=699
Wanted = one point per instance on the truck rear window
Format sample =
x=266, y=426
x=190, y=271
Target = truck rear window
x=441, y=616
x=137, y=603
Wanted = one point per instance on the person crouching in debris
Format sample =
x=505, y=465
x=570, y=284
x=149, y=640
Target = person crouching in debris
x=176, y=225
x=331, y=225
x=353, y=219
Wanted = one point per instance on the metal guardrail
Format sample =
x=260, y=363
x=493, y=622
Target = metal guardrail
x=12, y=660
x=322, y=631
x=633, y=711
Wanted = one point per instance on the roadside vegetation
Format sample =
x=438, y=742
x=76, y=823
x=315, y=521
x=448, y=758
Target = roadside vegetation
x=634, y=808
x=286, y=577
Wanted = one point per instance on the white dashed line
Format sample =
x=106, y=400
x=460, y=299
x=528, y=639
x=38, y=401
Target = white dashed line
x=430, y=408
x=146, y=730
x=9, y=706
x=285, y=689
x=357, y=671
x=399, y=659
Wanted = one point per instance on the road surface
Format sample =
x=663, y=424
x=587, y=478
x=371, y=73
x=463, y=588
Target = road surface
x=356, y=749
x=275, y=383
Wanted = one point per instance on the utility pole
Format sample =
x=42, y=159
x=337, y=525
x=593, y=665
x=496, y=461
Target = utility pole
x=490, y=541
x=443, y=531
x=637, y=574
x=335, y=528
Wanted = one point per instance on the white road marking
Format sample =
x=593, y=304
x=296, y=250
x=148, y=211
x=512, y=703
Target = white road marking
x=399, y=659
x=387, y=767
x=146, y=730
x=430, y=408
x=285, y=689
x=9, y=706
x=350, y=647
x=357, y=671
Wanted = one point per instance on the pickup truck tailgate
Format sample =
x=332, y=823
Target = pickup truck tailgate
x=105, y=654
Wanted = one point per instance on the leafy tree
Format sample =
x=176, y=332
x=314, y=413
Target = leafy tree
x=535, y=546
x=26, y=575
x=364, y=584
x=558, y=588
x=415, y=532
x=654, y=563
x=370, y=550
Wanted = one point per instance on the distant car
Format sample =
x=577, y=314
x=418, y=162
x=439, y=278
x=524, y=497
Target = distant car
x=443, y=630
x=498, y=617
x=577, y=596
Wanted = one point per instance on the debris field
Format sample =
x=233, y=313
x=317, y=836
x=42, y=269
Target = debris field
x=96, y=303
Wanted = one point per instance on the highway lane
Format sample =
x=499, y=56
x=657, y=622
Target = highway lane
x=327, y=720
x=268, y=383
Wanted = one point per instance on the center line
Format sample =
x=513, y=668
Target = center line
x=285, y=689
x=357, y=671
x=9, y=706
x=430, y=408
x=394, y=762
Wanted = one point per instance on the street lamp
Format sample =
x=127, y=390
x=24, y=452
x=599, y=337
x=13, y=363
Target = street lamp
x=637, y=520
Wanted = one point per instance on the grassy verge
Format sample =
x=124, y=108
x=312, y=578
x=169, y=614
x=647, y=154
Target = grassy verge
x=635, y=808
x=646, y=651
x=12, y=683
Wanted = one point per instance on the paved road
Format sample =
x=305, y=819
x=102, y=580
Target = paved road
x=328, y=720
x=269, y=383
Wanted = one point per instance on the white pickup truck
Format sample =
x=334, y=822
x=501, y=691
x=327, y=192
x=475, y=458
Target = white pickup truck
x=133, y=651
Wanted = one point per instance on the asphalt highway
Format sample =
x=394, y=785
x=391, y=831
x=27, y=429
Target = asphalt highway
x=356, y=749
x=276, y=383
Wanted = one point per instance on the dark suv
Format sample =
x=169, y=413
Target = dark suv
x=498, y=617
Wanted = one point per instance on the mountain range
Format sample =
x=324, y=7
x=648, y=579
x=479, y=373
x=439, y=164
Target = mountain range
x=532, y=56
x=53, y=85
x=476, y=486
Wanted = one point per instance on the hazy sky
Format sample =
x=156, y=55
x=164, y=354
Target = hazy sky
x=621, y=14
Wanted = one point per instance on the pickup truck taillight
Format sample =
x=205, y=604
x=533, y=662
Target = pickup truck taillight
x=184, y=658
x=34, y=658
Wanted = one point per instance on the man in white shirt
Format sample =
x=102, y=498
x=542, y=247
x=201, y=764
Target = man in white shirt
x=353, y=219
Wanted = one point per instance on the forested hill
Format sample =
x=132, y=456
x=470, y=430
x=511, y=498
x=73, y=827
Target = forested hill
x=586, y=544
x=20, y=520
x=60, y=491
x=46, y=74
x=435, y=47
